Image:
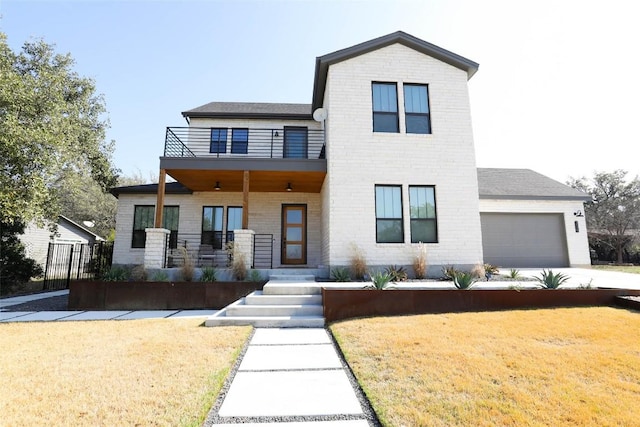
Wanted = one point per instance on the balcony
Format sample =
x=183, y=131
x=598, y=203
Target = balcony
x=215, y=159
x=288, y=142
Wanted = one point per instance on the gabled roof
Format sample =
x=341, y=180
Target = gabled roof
x=523, y=184
x=249, y=110
x=73, y=224
x=170, y=188
x=323, y=62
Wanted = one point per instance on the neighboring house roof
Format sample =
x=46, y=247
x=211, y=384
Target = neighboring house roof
x=170, y=188
x=79, y=227
x=323, y=62
x=523, y=184
x=243, y=110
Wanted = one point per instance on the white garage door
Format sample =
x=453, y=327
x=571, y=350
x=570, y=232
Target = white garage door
x=524, y=240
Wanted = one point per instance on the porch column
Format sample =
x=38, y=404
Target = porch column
x=243, y=246
x=245, y=200
x=155, y=248
x=160, y=198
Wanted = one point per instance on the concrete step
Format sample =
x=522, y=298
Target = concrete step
x=268, y=322
x=259, y=298
x=292, y=277
x=244, y=310
x=291, y=288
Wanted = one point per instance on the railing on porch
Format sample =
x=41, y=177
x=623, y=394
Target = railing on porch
x=215, y=249
x=286, y=142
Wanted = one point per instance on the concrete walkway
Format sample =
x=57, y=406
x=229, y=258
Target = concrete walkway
x=292, y=377
x=50, y=316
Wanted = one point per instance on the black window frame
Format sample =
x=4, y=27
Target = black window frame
x=218, y=143
x=173, y=236
x=383, y=113
x=421, y=220
x=380, y=220
x=139, y=236
x=238, y=145
x=230, y=236
x=212, y=237
x=407, y=114
x=290, y=149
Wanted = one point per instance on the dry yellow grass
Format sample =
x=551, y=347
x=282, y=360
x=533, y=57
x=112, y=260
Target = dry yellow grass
x=163, y=372
x=574, y=366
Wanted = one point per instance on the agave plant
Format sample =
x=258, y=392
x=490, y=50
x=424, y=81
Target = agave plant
x=379, y=281
x=464, y=280
x=397, y=273
x=549, y=280
x=341, y=274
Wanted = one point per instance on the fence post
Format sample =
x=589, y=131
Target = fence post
x=70, y=265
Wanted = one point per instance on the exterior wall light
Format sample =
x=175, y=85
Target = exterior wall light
x=289, y=187
x=217, y=187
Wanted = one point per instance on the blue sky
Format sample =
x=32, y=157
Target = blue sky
x=556, y=92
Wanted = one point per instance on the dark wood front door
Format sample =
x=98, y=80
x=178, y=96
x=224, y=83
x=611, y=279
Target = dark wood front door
x=294, y=234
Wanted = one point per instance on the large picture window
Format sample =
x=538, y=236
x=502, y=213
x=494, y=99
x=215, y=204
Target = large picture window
x=234, y=221
x=144, y=217
x=212, y=226
x=389, y=227
x=385, y=107
x=422, y=202
x=416, y=108
x=218, y=140
x=239, y=141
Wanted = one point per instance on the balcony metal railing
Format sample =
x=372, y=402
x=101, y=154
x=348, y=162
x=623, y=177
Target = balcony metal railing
x=282, y=143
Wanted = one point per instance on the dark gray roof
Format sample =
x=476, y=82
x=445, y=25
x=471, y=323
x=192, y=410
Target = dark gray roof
x=323, y=62
x=523, y=184
x=170, y=188
x=251, y=110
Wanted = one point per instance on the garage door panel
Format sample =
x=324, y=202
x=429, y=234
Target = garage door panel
x=524, y=240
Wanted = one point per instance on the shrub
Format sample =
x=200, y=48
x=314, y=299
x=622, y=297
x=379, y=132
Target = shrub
x=254, y=276
x=138, y=274
x=188, y=268
x=239, y=267
x=397, y=274
x=341, y=274
x=420, y=262
x=449, y=272
x=379, y=281
x=464, y=280
x=514, y=273
x=209, y=274
x=160, y=276
x=491, y=269
x=116, y=274
x=15, y=268
x=549, y=280
x=358, y=262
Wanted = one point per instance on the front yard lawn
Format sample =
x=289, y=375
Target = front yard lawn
x=570, y=366
x=622, y=268
x=136, y=372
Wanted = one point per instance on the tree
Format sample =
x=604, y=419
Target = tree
x=51, y=121
x=15, y=268
x=613, y=218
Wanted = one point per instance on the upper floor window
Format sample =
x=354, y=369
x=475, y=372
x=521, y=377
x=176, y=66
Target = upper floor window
x=416, y=108
x=218, y=140
x=212, y=226
x=239, y=140
x=389, y=228
x=295, y=142
x=422, y=202
x=385, y=107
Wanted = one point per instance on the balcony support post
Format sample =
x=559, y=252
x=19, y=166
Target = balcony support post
x=160, y=198
x=245, y=200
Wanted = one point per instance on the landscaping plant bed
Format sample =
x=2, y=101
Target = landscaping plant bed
x=351, y=303
x=99, y=295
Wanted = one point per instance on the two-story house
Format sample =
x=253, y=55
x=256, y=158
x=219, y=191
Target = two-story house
x=382, y=159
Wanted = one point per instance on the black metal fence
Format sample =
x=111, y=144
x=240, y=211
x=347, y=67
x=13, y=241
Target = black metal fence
x=75, y=261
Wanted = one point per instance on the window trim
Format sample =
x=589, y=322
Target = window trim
x=401, y=219
x=385, y=113
x=434, y=219
x=237, y=144
x=219, y=141
x=214, y=242
x=229, y=235
x=411, y=114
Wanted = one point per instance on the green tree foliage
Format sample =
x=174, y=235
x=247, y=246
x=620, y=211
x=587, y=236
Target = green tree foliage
x=613, y=218
x=51, y=121
x=15, y=268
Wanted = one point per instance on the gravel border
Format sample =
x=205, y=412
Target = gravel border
x=59, y=303
x=368, y=413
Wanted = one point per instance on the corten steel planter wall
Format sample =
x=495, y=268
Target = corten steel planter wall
x=348, y=303
x=95, y=295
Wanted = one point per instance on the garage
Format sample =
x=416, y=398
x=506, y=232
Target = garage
x=524, y=239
